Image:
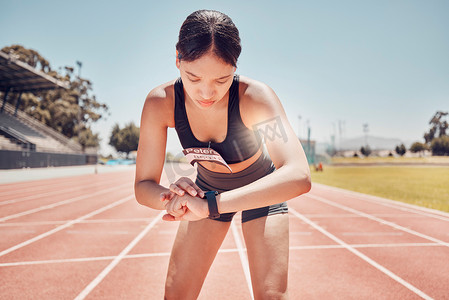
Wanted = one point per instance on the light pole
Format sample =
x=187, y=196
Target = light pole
x=366, y=130
x=80, y=64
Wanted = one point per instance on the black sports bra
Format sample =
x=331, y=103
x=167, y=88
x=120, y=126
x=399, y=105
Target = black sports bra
x=240, y=143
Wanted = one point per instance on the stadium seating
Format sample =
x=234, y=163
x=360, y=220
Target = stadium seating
x=15, y=129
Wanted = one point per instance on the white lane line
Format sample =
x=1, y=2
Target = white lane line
x=59, y=228
x=99, y=258
x=99, y=232
x=395, y=245
x=243, y=257
x=166, y=254
x=361, y=255
x=424, y=211
x=391, y=224
x=372, y=233
x=39, y=194
x=117, y=259
x=352, y=216
x=56, y=261
x=96, y=221
x=318, y=247
x=59, y=203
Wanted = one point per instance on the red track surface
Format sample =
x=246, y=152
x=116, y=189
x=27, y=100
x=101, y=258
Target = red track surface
x=87, y=237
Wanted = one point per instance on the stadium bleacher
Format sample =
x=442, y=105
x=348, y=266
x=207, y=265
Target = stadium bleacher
x=26, y=142
x=6, y=144
x=25, y=126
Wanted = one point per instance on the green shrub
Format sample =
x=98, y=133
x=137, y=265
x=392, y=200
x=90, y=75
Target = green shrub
x=440, y=146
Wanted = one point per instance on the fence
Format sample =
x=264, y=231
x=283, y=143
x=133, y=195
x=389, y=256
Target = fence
x=29, y=159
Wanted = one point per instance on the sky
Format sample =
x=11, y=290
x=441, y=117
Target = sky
x=335, y=65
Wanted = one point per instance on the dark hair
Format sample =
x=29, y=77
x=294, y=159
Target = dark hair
x=209, y=30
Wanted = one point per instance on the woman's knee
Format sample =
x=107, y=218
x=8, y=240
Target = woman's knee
x=181, y=284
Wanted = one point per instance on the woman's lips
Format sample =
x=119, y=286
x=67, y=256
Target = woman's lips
x=206, y=103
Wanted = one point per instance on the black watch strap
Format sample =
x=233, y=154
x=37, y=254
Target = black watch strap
x=212, y=203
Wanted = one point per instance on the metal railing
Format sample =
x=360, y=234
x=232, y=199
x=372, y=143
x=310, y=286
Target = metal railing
x=24, y=118
x=18, y=138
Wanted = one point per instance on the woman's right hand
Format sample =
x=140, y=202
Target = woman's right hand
x=172, y=204
x=187, y=208
x=178, y=188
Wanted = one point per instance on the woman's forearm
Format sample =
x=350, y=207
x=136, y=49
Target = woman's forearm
x=148, y=193
x=282, y=185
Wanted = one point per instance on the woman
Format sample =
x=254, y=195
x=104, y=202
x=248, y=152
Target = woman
x=224, y=121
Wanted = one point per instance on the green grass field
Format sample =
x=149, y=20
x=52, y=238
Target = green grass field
x=420, y=185
x=430, y=160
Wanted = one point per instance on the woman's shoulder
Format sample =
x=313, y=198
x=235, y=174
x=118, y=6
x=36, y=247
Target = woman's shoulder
x=256, y=99
x=162, y=93
x=252, y=89
x=160, y=102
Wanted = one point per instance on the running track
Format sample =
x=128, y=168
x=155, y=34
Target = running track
x=85, y=237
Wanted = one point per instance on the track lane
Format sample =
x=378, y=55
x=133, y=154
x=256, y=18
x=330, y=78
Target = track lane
x=56, y=191
x=56, y=202
x=425, y=274
x=376, y=219
x=411, y=217
x=363, y=257
x=30, y=188
x=65, y=225
x=117, y=259
x=319, y=267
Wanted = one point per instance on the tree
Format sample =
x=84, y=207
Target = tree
x=70, y=111
x=125, y=140
x=440, y=146
x=400, y=149
x=418, y=147
x=438, y=127
x=366, y=151
x=86, y=138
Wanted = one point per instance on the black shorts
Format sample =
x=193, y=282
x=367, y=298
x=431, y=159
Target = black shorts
x=251, y=214
x=221, y=182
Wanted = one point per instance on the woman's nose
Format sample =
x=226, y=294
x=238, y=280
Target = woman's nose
x=207, y=92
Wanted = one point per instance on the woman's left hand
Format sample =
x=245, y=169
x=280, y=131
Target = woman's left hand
x=185, y=184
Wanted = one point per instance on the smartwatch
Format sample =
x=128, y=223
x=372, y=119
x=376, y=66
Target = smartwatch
x=212, y=203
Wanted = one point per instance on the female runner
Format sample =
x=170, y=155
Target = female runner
x=248, y=159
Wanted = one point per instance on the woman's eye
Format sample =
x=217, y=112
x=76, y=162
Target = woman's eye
x=221, y=82
x=194, y=80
